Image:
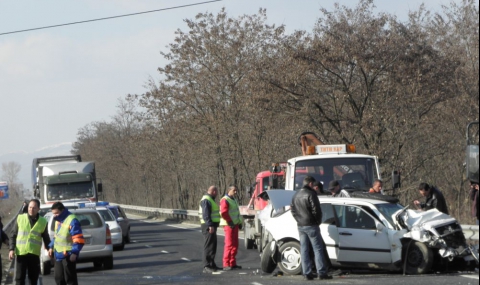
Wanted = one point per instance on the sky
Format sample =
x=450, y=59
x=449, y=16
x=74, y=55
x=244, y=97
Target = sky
x=56, y=81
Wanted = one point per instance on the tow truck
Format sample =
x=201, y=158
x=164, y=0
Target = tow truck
x=355, y=173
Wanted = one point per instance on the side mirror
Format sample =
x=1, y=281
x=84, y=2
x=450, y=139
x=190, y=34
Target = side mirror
x=100, y=188
x=120, y=219
x=396, y=179
x=379, y=227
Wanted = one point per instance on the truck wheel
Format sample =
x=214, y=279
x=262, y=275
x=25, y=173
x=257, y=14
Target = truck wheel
x=267, y=262
x=108, y=263
x=248, y=241
x=289, y=258
x=419, y=259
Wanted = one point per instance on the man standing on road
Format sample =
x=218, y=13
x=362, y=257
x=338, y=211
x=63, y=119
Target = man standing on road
x=377, y=187
x=66, y=245
x=231, y=222
x=474, y=198
x=26, y=243
x=209, y=213
x=434, y=199
x=3, y=239
x=308, y=214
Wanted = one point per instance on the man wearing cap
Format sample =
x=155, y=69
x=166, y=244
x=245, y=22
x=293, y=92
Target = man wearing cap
x=209, y=214
x=434, y=199
x=29, y=231
x=335, y=188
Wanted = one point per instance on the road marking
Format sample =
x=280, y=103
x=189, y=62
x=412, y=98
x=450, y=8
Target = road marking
x=164, y=251
x=186, y=259
x=256, y=283
x=470, y=276
x=149, y=246
x=148, y=277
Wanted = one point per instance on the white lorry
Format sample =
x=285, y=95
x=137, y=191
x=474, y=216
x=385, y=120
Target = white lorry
x=64, y=178
x=355, y=173
x=367, y=231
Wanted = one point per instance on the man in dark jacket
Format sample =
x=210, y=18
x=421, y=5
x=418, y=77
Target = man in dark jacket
x=308, y=214
x=474, y=198
x=3, y=239
x=434, y=199
x=209, y=213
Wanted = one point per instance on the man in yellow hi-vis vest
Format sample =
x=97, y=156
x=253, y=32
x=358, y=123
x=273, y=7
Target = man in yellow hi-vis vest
x=66, y=245
x=26, y=243
x=231, y=222
x=209, y=214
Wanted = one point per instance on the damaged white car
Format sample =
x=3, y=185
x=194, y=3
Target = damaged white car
x=362, y=233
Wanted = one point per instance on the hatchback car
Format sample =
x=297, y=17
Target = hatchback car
x=115, y=229
x=122, y=220
x=98, y=241
x=361, y=233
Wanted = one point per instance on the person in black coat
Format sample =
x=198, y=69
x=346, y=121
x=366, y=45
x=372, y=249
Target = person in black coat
x=3, y=239
x=434, y=199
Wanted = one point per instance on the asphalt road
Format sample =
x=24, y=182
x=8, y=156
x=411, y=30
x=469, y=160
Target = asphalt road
x=165, y=253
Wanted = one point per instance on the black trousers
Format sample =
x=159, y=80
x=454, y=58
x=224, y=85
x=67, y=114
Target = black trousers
x=30, y=263
x=1, y=268
x=209, y=248
x=66, y=272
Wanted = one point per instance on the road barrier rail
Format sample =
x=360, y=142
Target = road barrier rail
x=470, y=231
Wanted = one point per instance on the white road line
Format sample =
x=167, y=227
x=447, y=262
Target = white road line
x=149, y=246
x=164, y=251
x=186, y=259
x=470, y=276
x=256, y=283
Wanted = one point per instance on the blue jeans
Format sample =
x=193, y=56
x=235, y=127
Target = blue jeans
x=310, y=237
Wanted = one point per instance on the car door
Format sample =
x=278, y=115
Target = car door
x=329, y=230
x=358, y=237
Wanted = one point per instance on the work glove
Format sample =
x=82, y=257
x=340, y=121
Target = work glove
x=231, y=225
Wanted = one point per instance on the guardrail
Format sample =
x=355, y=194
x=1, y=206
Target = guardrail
x=470, y=231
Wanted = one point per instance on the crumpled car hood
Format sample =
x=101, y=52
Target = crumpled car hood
x=425, y=219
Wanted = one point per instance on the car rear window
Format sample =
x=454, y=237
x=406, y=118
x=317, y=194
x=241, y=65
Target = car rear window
x=87, y=220
x=107, y=215
x=114, y=211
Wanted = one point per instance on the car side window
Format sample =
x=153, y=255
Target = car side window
x=328, y=217
x=354, y=218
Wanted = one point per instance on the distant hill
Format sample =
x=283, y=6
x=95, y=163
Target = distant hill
x=25, y=159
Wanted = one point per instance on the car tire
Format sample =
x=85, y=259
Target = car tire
x=98, y=264
x=289, y=259
x=108, y=263
x=46, y=268
x=419, y=259
x=122, y=246
x=267, y=263
x=127, y=237
x=248, y=242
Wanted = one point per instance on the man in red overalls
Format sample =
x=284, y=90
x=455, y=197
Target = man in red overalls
x=232, y=222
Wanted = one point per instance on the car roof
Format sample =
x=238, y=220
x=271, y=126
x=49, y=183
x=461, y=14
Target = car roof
x=352, y=200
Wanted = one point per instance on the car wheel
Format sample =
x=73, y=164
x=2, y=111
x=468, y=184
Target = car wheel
x=108, y=263
x=289, y=259
x=97, y=264
x=267, y=262
x=127, y=237
x=419, y=259
x=247, y=241
x=122, y=246
x=46, y=267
